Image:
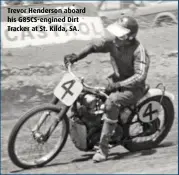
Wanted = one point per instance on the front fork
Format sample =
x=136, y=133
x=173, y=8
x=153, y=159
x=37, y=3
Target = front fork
x=54, y=100
x=44, y=137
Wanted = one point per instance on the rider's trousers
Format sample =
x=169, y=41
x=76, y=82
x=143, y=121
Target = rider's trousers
x=124, y=98
x=110, y=117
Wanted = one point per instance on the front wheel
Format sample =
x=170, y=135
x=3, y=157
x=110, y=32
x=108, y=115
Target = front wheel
x=29, y=145
x=148, y=134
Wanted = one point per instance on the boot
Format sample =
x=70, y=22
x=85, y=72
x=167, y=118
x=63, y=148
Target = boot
x=107, y=130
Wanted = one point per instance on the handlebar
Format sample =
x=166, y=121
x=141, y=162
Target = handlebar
x=99, y=90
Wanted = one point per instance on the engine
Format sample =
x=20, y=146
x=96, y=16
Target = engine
x=90, y=108
x=92, y=104
x=86, y=122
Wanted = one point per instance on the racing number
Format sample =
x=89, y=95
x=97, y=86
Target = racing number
x=67, y=89
x=149, y=112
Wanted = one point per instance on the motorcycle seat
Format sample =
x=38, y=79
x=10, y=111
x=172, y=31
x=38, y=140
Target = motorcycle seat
x=147, y=87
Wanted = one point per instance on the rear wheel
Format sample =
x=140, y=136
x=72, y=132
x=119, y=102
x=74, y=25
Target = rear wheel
x=29, y=149
x=148, y=134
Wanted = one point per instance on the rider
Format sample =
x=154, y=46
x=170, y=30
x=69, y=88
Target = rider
x=130, y=62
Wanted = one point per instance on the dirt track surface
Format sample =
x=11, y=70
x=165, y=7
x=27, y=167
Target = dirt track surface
x=160, y=160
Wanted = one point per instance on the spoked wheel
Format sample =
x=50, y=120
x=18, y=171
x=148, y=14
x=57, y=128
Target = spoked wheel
x=152, y=124
x=30, y=142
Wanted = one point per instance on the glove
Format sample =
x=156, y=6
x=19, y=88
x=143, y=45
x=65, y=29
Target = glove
x=71, y=58
x=112, y=87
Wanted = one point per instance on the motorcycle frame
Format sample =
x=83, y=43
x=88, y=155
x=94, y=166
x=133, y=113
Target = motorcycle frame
x=62, y=113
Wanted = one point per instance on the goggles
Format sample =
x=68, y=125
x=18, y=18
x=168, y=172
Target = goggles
x=117, y=30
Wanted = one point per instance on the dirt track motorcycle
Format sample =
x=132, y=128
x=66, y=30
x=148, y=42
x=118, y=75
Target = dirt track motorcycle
x=76, y=110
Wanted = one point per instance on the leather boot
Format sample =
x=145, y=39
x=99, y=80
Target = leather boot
x=107, y=130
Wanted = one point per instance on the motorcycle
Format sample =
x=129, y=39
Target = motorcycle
x=77, y=109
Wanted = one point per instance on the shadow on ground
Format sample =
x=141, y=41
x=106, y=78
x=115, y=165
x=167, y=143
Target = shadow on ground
x=113, y=156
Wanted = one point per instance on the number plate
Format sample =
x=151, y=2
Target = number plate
x=68, y=90
x=150, y=111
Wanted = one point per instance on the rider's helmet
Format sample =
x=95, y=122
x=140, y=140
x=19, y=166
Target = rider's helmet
x=126, y=28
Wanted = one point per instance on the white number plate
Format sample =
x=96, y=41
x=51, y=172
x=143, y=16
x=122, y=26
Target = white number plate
x=150, y=111
x=68, y=90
